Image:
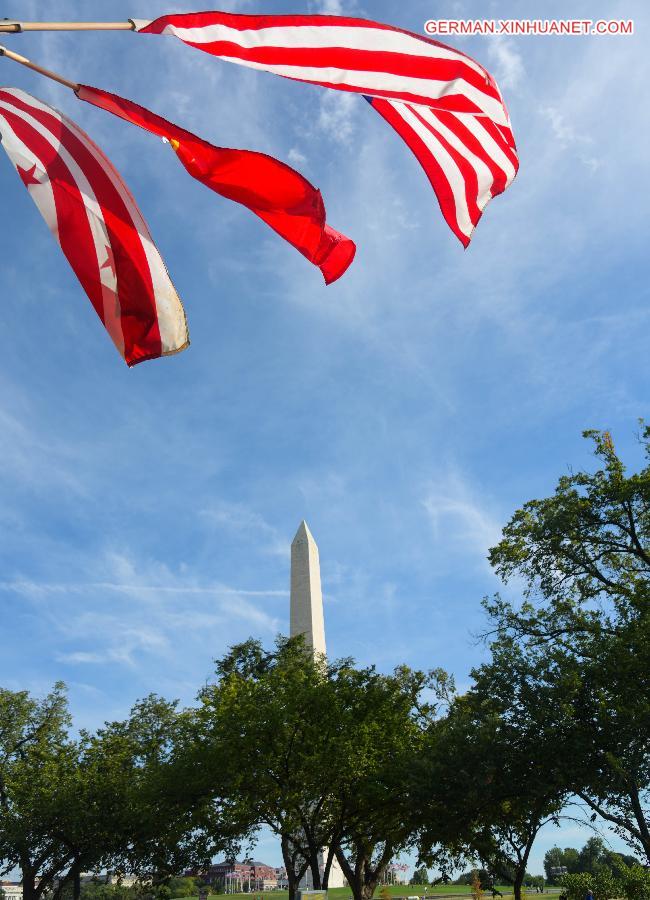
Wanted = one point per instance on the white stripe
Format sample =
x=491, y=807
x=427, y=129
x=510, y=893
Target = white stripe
x=20, y=155
x=316, y=37
x=483, y=174
x=172, y=323
x=94, y=215
x=491, y=147
x=452, y=173
x=371, y=82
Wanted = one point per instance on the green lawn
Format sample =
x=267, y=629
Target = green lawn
x=396, y=890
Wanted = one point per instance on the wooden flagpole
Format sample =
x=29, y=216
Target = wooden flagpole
x=12, y=26
x=23, y=61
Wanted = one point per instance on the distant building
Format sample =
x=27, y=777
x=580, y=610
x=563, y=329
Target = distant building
x=234, y=877
x=13, y=890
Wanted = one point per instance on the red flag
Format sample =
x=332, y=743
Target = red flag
x=100, y=229
x=275, y=192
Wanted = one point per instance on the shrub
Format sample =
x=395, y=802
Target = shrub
x=635, y=882
x=603, y=886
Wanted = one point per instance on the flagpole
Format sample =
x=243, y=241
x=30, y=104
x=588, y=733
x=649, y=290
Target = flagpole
x=23, y=61
x=12, y=26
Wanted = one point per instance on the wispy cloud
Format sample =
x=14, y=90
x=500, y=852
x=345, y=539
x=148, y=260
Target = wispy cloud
x=248, y=524
x=337, y=117
x=508, y=63
x=461, y=521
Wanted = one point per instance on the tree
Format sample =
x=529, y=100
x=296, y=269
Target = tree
x=36, y=759
x=591, y=856
x=257, y=744
x=420, y=876
x=182, y=887
x=490, y=786
x=155, y=823
x=314, y=751
x=109, y=800
x=584, y=557
x=387, y=721
x=553, y=860
x=594, y=857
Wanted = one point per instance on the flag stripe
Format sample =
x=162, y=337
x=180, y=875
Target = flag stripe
x=100, y=229
x=457, y=125
x=172, y=328
x=139, y=310
x=479, y=179
x=73, y=228
x=468, y=172
x=390, y=85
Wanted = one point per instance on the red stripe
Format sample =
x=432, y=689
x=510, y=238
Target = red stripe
x=74, y=232
x=467, y=170
x=498, y=136
x=456, y=102
x=351, y=60
x=455, y=124
x=138, y=312
x=428, y=162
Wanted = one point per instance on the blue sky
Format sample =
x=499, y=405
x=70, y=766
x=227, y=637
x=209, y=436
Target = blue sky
x=405, y=412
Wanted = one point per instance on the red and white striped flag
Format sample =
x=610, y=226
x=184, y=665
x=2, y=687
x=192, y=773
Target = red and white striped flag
x=468, y=159
x=275, y=192
x=98, y=225
x=444, y=104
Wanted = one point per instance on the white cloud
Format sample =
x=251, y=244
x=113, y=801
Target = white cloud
x=251, y=526
x=296, y=157
x=139, y=613
x=330, y=7
x=462, y=523
x=338, y=115
x=509, y=64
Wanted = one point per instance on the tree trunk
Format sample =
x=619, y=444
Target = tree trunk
x=520, y=871
x=519, y=880
x=327, y=868
x=314, y=866
x=294, y=871
x=363, y=879
x=76, y=885
x=28, y=878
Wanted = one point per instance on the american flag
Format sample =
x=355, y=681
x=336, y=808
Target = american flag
x=98, y=225
x=445, y=105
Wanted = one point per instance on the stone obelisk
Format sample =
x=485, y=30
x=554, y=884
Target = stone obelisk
x=306, y=594
x=306, y=618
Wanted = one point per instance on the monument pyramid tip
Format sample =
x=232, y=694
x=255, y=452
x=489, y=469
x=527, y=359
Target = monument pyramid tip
x=303, y=532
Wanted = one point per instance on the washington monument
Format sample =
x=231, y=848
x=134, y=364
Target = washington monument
x=306, y=618
x=306, y=594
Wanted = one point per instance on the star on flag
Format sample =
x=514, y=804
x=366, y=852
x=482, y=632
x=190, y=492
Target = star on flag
x=109, y=262
x=28, y=176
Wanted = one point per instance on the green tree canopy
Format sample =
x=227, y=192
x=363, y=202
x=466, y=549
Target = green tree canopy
x=314, y=751
x=583, y=556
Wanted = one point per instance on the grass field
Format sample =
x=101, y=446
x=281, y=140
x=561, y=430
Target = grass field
x=396, y=890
